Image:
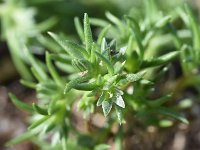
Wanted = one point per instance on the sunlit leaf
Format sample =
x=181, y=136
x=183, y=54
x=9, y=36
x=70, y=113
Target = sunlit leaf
x=101, y=99
x=107, y=106
x=119, y=101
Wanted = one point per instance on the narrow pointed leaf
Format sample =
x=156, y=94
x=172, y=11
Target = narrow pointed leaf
x=160, y=101
x=39, y=109
x=194, y=26
x=134, y=23
x=116, y=21
x=38, y=122
x=82, y=65
x=137, y=34
x=87, y=33
x=86, y=86
x=131, y=78
x=129, y=46
x=26, y=136
x=36, y=74
x=118, y=111
x=47, y=24
x=21, y=105
x=37, y=67
x=119, y=101
x=71, y=48
x=28, y=83
x=103, y=45
x=93, y=56
x=99, y=22
x=173, y=114
x=63, y=58
x=49, y=43
x=52, y=106
x=161, y=23
x=76, y=47
x=101, y=99
x=79, y=28
x=135, y=77
x=151, y=10
x=75, y=82
x=160, y=60
x=52, y=70
x=106, y=106
x=103, y=34
x=49, y=127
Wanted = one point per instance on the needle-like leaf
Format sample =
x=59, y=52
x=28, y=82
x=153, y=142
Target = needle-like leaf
x=21, y=105
x=72, y=49
x=107, y=106
x=52, y=70
x=26, y=136
x=87, y=33
x=79, y=28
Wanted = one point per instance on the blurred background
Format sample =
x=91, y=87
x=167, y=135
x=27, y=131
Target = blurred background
x=28, y=20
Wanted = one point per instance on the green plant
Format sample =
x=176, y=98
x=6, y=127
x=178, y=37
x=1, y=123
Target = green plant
x=117, y=70
x=18, y=29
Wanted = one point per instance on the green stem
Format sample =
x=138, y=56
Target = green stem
x=15, y=51
x=118, y=140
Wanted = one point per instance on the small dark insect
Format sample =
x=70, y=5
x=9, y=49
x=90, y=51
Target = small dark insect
x=113, y=52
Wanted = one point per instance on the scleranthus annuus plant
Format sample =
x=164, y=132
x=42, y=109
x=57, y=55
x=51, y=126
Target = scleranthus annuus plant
x=101, y=68
x=113, y=73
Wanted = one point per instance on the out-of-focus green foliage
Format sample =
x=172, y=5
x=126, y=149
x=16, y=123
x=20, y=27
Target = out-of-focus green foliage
x=18, y=27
